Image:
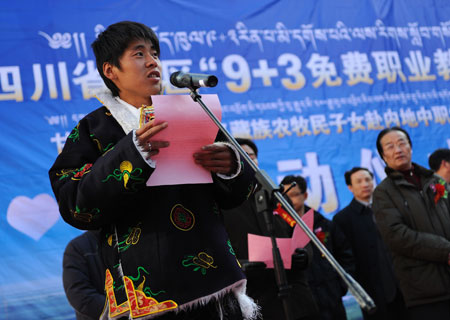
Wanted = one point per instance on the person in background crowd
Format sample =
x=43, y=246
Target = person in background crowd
x=165, y=248
x=373, y=263
x=439, y=162
x=412, y=212
x=261, y=283
x=327, y=286
x=83, y=276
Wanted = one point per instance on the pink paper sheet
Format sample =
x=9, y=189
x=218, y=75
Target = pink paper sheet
x=189, y=128
x=260, y=247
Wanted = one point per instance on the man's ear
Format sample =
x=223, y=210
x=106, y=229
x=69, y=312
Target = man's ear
x=350, y=187
x=108, y=71
x=306, y=195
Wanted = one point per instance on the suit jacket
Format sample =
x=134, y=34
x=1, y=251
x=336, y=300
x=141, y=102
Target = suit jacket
x=326, y=284
x=83, y=276
x=261, y=283
x=373, y=263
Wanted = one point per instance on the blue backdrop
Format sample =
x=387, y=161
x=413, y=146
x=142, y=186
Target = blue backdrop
x=312, y=82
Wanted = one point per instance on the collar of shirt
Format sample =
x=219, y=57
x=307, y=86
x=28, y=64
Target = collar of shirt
x=134, y=112
x=364, y=203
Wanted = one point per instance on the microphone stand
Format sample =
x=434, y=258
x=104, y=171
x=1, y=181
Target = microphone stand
x=265, y=205
x=266, y=197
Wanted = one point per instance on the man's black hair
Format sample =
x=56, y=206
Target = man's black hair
x=386, y=131
x=436, y=158
x=248, y=142
x=112, y=43
x=348, y=174
x=301, y=182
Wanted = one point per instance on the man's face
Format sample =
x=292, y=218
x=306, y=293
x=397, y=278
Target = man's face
x=250, y=153
x=139, y=76
x=444, y=170
x=396, y=150
x=362, y=185
x=297, y=197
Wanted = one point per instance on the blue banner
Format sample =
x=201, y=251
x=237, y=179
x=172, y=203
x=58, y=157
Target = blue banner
x=311, y=82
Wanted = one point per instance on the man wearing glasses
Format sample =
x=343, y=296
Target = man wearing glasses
x=412, y=213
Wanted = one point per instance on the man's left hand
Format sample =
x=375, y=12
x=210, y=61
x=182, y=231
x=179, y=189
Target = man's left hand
x=217, y=158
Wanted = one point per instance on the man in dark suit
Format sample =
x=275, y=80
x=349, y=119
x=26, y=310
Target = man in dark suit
x=326, y=285
x=83, y=276
x=373, y=263
x=261, y=283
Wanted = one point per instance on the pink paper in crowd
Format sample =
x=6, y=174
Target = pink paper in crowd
x=260, y=247
x=189, y=128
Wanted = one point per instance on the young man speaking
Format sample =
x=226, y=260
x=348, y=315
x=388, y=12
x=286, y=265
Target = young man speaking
x=165, y=249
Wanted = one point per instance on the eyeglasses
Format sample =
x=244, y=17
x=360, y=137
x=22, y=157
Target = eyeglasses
x=251, y=155
x=393, y=146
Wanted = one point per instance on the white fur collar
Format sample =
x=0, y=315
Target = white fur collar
x=122, y=114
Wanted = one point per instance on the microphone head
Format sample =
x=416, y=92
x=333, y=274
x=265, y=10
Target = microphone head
x=211, y=81
x=192, y=80
x=173, y=78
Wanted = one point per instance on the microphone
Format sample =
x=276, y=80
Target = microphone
x=293, y=184
x=192, y=80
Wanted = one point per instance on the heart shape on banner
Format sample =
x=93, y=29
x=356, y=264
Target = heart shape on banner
x=33, y=217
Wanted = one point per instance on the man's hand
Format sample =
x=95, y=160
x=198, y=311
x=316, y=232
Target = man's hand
x=299, y=259
x=144, y=135
x=217, y=158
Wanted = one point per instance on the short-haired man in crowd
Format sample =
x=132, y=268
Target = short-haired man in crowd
x=439, y=162
x=413, y=216
x=325, y=283
x=373, y=263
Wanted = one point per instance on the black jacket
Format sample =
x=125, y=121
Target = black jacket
x=261, y=283
x=372, y=260
x=417, y=231
x=83, y=276
x=165, y=243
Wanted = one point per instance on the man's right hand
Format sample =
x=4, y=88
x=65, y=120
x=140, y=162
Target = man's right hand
x=144, y=137
x=299, y=259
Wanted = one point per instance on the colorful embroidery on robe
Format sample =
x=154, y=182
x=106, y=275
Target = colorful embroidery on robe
x=147, y=114
x=250, y=190
x=75, y=135
x=182, y=218
x=65, y=173
x=201, y=262
x=134, y=235
x=233, y=253
x=126, y=172
x=99, y=145
x=110, y=239
x=147, y=290
x=84, y=214
x=82, y=171
x=230, y=248
x=114, y=309
x=131, y=238
x=138, y=303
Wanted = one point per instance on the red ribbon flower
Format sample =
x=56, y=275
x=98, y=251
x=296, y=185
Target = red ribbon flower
x=321, y=235
x=439, y=191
